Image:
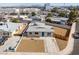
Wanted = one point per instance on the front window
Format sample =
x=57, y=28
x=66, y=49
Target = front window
x=30, y=32
x=36, y=32
x=48, y=34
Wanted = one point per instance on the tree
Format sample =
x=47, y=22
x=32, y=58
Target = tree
x=13, y=13
x=15, y=20
x=26, y=13
x=22, y=13
x=49, y=15
x=55, y=9
x=48, y=20
x=33, y=13
x=72, y=16
x=62, y=14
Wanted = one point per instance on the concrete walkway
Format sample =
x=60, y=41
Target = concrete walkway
x=50, y=45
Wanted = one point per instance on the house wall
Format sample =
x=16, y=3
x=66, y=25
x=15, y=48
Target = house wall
x=71, y=45
x=39, y=34
x=61, y=33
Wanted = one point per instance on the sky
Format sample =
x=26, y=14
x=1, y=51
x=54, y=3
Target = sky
x=39, y=4
x=39, y=1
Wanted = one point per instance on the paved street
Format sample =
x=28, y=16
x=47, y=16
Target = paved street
x=11, y=42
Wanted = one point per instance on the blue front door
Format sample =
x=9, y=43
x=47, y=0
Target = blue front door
x=42, y=33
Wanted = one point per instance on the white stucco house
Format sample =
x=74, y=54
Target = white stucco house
x=39, y=29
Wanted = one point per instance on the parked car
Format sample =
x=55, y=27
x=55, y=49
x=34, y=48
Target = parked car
x=2, y=40
x=1, y=23
x=76, y=35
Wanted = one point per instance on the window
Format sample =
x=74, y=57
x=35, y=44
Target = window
x=30, y=32
x=48, y=34
x=36, y=32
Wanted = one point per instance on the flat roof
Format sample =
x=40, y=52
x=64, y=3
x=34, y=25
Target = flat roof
x=9, y=26
x=28, y=45
x=39, y=27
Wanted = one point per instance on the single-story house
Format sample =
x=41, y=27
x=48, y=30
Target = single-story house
x=38, y=29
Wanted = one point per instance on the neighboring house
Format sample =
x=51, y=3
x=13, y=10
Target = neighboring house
x=10, y=28
x=35, y=18
x=30, y=10
x=59, y=20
